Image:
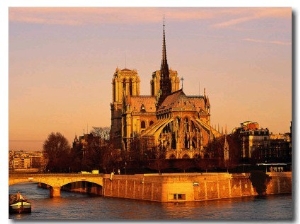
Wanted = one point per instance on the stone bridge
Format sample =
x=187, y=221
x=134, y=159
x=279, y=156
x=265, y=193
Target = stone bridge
x=55, y=180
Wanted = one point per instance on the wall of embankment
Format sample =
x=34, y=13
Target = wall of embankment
x=177, y=187
x=191, y=186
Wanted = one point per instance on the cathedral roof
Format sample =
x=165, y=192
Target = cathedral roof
x=147, y=102
x=198, y=101
x=177, y=100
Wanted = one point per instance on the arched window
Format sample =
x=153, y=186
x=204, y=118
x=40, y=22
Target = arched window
x=143, y=124
x=124, y=87
x=186, y=142
x=186, y=125
x=151, y=122
x=130, y=87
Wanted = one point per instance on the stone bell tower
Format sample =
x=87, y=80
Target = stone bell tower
x=125, y=83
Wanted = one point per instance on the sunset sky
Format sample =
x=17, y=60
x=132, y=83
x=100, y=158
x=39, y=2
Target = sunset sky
x=62, y=60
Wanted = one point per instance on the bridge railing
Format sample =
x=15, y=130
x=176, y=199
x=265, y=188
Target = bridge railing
x=54, y=174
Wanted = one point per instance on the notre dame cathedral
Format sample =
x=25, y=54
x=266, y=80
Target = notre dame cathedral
x=167, y=119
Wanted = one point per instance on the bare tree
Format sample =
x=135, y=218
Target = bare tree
x=110, y=158
x=102, y=132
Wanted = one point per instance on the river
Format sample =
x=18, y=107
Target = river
x=75, y=206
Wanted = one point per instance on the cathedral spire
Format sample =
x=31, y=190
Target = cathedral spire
x=165, y=82
x=164, y=63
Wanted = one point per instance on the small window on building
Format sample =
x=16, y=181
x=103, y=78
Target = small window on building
x=143, y=124
x=179, y=196
x=143, y=109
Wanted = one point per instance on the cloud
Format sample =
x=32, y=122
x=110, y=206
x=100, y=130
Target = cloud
x=98, y=15
x=232, y=22
x=76, y=16
x=268, y=42
x=243, y=15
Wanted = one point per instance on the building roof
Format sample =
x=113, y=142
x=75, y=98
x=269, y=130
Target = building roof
x=198, y=101
x=178, y=100
x=148, y=102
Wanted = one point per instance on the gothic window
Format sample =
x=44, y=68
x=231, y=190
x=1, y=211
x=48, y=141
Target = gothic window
x=176, y=124
x=173, y=142
x=186, y=124
x=130, y=87
x=124, y=86
x=193, y=126
x=186, y=142
x=167, y=129
x=194, y=143
x=152, y=88
x=143, y=124
x=151, y=122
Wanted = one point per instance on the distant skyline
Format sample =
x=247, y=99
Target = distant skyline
x=62, y=61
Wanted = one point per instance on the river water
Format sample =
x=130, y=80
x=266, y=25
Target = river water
x=75, y=206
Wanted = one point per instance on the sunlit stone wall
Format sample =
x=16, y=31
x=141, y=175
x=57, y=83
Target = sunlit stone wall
x=190, y=187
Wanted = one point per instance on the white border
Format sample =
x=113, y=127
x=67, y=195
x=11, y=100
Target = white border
x=5, y=4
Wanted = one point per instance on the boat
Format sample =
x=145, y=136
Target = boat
x=19, y=204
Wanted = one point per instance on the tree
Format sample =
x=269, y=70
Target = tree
x=92, y=152
x=102, y=132
x=110, y=158
x=56, y=151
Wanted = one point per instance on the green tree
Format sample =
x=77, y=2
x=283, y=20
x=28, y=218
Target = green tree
x=56, y=151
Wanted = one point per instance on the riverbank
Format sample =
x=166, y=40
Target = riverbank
x=180, y=187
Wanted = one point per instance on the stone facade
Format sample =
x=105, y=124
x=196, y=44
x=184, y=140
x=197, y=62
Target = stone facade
x=253, y=138
x=125, y=82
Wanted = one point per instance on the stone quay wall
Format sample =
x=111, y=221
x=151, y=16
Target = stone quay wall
x=190, y=186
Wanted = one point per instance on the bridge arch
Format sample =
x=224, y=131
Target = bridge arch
x=56, y=181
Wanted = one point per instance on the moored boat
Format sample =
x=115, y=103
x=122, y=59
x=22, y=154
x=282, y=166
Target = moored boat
x=18, y=204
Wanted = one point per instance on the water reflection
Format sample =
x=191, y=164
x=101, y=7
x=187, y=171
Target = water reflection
x=83, y=207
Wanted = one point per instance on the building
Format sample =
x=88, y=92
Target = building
x=279, y=150
x=168, y=122
x=26, y=161
x=253, y=139
x=261, y=146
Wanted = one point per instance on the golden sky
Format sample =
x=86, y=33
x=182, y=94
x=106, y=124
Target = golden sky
x=62, y=60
